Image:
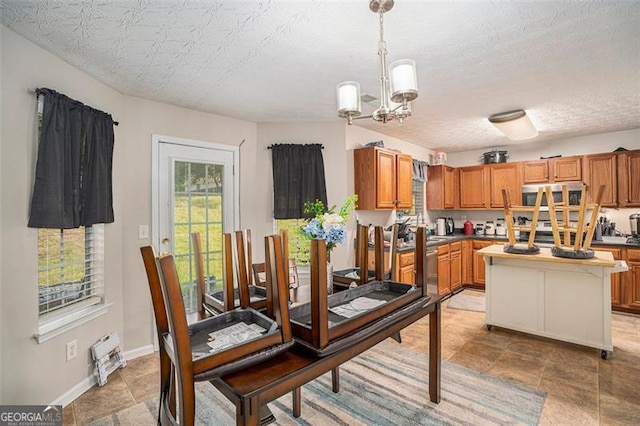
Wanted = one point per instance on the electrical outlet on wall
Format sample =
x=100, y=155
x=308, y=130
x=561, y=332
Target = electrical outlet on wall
x=72, y=350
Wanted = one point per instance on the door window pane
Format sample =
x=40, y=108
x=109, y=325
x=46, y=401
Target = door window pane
x=198, y=207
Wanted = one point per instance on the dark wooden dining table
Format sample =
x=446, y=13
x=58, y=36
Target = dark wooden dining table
x=265, y=382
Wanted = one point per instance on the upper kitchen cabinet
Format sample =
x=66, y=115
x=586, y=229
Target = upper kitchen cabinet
x=504, y=175
x=600, y=169
x=536, y=171
x=561, y=169
x=565, y=169
x=629, y=178
x=474, y=187
x=441, y=187
x=481, y=186
x=382, y=179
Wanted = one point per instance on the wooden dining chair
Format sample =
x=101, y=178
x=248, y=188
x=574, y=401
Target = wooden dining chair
x=187, y=346
x=236, y=253
x=385, y=270
x=162, y=328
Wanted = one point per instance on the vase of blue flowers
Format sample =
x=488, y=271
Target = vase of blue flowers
x=329, y=225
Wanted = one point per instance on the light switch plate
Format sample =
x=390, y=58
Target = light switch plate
x=143, y=232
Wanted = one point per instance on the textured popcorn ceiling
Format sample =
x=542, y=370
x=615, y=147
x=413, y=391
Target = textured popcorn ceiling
x=575, y=66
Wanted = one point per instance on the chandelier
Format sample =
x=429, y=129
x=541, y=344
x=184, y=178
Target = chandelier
x=396, y=92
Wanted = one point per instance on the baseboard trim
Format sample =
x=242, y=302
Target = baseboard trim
x=72, y=394
x=138, y=352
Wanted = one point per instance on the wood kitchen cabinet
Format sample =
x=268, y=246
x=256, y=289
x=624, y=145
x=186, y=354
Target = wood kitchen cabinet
x=631, y=282
x=481, y=186
x=478, y=262
x=629, y=178
x=504, y=175
x=536, y=171
x=601, y=169
x=625, y=286
x=406, y=267
x=561, y=169
x=466, y=256
x=444, y=272
x=455, y=265
x=474, y=187
x=382, y=179
x=441, y=187
x=616, y=279
x=449, y=267
x=565, y=169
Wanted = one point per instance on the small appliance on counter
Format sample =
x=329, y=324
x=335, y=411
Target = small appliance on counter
x=468, y=228
x=441, y=228
x=449, y=225
x=634, y=222
x=489, y=228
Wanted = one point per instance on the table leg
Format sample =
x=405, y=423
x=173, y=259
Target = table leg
x=248, y=412
x=297, y=397
x=335, y=380
x=434, y=354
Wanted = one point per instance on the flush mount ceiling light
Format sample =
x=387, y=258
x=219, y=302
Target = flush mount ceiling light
x=395, y=93
x=514, y=124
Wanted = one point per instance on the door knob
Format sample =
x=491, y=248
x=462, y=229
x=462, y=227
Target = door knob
x=166, y=241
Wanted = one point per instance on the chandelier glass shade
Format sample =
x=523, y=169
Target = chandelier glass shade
x=398, y=84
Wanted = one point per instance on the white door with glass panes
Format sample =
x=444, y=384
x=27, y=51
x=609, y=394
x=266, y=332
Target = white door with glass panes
x=195, y=189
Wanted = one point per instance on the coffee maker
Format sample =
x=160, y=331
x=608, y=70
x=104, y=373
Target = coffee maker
x=449, y=225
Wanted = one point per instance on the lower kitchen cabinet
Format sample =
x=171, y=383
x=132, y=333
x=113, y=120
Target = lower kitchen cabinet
x=449, y=267
x=625, y=286
x=405, y=268
x=444, y=272
x=455, y=265
x=467, y=263
x=632, y=280
x=478, y=262
x=616, y=279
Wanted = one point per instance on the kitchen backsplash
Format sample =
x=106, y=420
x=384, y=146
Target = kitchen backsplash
x=618, y=216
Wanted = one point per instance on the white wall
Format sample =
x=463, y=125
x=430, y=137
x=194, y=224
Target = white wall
x=339, y=141
x=331, y=136
x=358, y=137
x=32, y=373
x=582, y=145
x=39, y=374
x=593, y=144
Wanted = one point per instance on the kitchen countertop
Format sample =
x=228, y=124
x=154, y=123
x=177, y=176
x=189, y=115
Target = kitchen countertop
x=436, y=240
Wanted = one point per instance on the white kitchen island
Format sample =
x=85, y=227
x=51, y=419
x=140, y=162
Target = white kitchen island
x=560, y=298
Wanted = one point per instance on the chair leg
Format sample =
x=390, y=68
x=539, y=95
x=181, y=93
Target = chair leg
x=335, y=380
x=297, y=402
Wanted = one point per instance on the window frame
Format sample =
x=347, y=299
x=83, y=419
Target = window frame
x=60, y=320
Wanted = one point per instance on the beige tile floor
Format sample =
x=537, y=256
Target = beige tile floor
x=581, y=387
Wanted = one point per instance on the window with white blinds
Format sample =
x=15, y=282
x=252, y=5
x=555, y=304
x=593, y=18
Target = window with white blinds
x=70, y=269
x=418, y=197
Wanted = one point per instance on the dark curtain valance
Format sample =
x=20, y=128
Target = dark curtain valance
x=420, y=170
x=298, y=177
x=73, y=185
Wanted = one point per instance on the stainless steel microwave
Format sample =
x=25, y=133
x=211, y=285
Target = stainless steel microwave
x=530, y=192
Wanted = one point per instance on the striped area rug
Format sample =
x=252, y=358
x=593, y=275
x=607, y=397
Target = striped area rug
x=386, y=385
